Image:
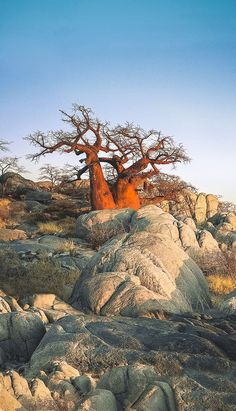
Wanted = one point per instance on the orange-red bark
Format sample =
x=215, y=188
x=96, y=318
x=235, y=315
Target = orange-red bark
x=125, y=194
x=101, y=196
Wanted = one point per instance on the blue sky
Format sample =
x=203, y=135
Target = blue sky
x=169, y=65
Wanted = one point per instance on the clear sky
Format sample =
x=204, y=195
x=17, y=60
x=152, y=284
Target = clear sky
x=164, y=64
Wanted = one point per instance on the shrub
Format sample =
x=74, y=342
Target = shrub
x=43, y=275
x=221, y=285
x=100, y=233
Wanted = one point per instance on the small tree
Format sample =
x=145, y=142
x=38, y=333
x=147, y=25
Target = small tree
x=8, y=164
x=52, y=174
x=133, y=153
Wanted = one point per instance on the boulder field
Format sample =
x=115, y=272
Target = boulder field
x=138, y=332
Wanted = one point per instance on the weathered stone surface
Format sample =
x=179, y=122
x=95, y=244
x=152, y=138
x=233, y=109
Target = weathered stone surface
x=201, y=209
x=139, y=388
x=20, y=386
x=174, y=364
x=212, y=204
x=207, y=242
x=169, y=279
x=20, y=333
x=98, y=400
x=8, y=402
x=105, y=224
x=44, y=197
x=34, y=206
x=84, y=383
x=228, y=305
x=187, y=236
x=39, y=390
x=153, y=220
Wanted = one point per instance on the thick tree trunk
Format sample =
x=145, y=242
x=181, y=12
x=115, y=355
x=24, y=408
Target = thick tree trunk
x=125, y=194
x=100, y=194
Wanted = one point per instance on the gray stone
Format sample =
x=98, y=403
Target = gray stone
x=99, y=400
x=20, y=333
x=169, y=279
x=104, y=224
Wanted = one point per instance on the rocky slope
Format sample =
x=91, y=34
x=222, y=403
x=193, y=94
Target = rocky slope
x=138, y=332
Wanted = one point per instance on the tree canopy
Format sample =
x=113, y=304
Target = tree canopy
x=133, y=153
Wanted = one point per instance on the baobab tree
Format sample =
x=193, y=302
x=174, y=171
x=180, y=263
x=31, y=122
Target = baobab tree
x=133, y=153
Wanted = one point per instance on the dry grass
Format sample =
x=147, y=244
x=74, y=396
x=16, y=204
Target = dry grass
x=221, y=285
x=65, y=227
x=99, y=234
x=68, y=226
x=51, y=227
x=45, y=275
x=68, y=246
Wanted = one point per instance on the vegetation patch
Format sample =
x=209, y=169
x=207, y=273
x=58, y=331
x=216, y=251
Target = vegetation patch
x=49, y=227
x=43, y=275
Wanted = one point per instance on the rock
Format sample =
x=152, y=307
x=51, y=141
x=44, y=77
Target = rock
x=29, y=229
x=231, y=219
x=228, y=305
x=4, y=306
x=34, y=206
x=138, y=388
x=171, y=364
x=201, y=209
x=187, y=236
x=212, y=204
x=104, y=224
x=84, y=383
x=166, y=278
x=207, y=242
x=39, y=390
x=98, y=400
x=67, y=370
x=153, y=220
x=20, y=386
x=190, y=222
x=17, y=184
x=44, y=301
x=7, y=234
x=44, y=197
x=20, y=333
x=8, y=402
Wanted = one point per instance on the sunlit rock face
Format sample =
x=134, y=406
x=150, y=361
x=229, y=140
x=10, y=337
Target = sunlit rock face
x=143, y=271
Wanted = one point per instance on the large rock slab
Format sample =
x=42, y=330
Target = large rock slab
x=179, y=363
x=139, y=274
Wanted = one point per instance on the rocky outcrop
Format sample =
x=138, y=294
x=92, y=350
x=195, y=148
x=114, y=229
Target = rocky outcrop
x=173, y=364
x=44, y=197
x=147, y=269
x=142, y=272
